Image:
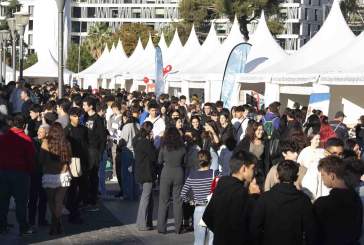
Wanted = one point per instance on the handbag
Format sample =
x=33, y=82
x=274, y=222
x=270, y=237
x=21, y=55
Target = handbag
x=75, y=167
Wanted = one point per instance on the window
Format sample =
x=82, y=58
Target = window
x=316, y=16
x=30, y=39
x=309, y=29
x=309, y=2
x=75, y=26
x=30, y=25
x=91, y=12
x=306, y=14
x=76, y=12
x=31, y=10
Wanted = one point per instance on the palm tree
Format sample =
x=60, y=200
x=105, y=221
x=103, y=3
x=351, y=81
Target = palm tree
x=98, y=36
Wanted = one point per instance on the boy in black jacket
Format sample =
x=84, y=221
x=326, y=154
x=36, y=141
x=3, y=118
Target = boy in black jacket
x=339, y=215
x=227, y=213
x=284, y=215
x=96, y=144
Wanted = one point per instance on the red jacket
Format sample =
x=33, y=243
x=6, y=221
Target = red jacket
x=17, y=151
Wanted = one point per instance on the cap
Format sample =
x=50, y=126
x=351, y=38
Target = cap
x=339, y=114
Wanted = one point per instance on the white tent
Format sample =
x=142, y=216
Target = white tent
x=163, y=45
x=189, y=50
x=118, y=70
x=174, y=50
x=144, y=67
x=265, y=50
x=95, y=68
x=334, y=35
x=46, y=69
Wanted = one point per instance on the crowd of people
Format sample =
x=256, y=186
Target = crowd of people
x=243, y=175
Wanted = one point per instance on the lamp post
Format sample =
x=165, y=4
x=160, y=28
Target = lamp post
x=12, y=27
x=60, y=6
x=5, y=36
x=21, y=20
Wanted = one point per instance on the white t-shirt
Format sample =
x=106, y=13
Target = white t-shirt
x=312, y=183
x=159, y=127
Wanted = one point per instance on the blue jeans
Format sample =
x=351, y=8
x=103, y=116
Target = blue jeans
x=201, y=233
x=102, y=186
x=130, y=188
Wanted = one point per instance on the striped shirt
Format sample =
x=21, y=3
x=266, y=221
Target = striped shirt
x=199, y=183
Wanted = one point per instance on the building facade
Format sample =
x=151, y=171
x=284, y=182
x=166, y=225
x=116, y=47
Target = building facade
x=154, y=13
x=302, y=20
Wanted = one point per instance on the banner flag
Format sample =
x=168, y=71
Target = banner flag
x=159, y=76
x=234, y=65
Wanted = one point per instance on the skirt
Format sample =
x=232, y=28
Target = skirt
x=56, y=180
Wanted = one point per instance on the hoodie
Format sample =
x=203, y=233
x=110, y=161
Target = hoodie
x=270, y=116
x=227, y=214
x=281, y=216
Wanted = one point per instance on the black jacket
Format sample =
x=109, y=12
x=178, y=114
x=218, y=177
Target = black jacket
x=145, y=160
x=283, y=216
x=227, y=214
x=339, y=217
x=96, y=132
x=77, y=136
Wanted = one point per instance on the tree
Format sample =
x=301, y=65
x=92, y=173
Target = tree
x=30, y=60
x=86, y=58
x=130, y=33
x=247, y=10
x=183, y=29
x=349, y=8
x=98, y=36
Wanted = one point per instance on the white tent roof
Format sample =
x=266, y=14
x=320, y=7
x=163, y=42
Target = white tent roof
x=120, y=69
x=174, y=50
x=265, y=50
x=332, y=37
x=95, y=68
x=211, y=43
x=213, y=68
x=46, y=68
x=145, y=66
x=163, y=45
x=348, y=59
x=190, y=49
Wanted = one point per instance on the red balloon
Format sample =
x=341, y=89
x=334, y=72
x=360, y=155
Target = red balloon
x=146, y=80
x=167, y=69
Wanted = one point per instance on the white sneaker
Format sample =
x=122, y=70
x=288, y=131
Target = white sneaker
x=114, y=179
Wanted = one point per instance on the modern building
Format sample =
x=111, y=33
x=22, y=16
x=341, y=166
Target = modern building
x=155, y=13
x=302, y=20
x=28, y=7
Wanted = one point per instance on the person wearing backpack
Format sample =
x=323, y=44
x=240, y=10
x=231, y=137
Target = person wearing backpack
x=271, y=123
x=339, y=126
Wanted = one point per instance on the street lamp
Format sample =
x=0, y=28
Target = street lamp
x=5, y=38
x=12, y=27
x=21, y=20
x=60, y=6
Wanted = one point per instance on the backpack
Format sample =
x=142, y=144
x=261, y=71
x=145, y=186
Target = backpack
x=268, y=127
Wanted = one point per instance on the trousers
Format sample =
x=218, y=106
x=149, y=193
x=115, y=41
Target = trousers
x=145, y=211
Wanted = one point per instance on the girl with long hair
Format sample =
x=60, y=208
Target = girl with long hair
x=172, y=157
x=55, y=157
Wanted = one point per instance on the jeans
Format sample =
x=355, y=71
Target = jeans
x=102, y=186
x=201, y=233
x=145, y=211
x=130, y=188
x=16, y=184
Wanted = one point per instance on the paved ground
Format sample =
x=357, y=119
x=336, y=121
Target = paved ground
x=113, y=224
